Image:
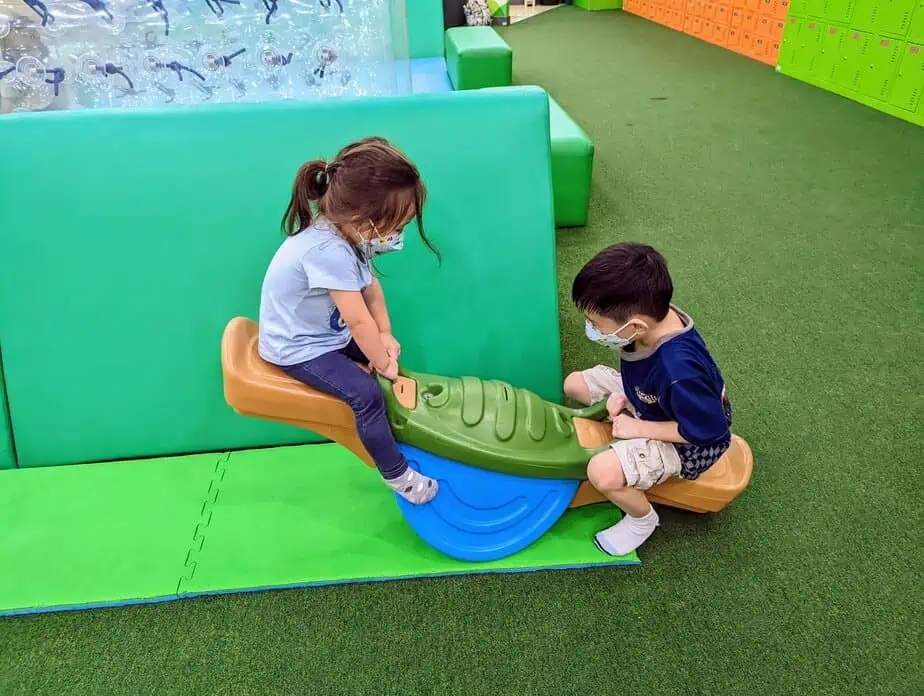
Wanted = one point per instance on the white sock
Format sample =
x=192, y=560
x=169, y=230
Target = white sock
x=628, y=534
x=414, y=487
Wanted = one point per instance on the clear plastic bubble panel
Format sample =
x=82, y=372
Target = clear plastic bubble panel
x=88, y=54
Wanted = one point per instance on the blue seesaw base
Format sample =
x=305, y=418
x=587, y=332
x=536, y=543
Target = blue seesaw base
x=481, y=515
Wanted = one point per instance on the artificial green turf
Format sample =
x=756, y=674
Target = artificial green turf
x=794, y=224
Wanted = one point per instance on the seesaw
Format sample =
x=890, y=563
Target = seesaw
x=509, y=464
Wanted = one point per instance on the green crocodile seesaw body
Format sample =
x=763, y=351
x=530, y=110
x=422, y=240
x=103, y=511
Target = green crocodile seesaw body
x=491, y=425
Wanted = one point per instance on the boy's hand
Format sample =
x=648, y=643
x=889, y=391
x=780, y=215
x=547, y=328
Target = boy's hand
x=392, y=347
x=627, y=428
x=390, y=372
x=616, y=404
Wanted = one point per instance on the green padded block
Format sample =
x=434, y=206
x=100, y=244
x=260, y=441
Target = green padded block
x=478, y=57
x=492, y=425
x=99, y=533
x=572, y=168
x=425, y=27
x=173, y=240
x=274, y=526
x=598, y=4
x=7, y=451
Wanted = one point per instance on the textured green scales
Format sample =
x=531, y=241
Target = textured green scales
x=492, y=425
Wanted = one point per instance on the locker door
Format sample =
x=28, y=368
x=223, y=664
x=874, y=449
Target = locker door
x=808, y=47
x=734, y=39
x=916, y=28
x=882, y=60
x=722, y=14
x=854, y=59
x=894, y=16
x=909, y=82
x=842, y=10
x=799, y=8
x=737, y=17
x=781, y=9
x=787, y=58
x=815, y=8
x=829, y=54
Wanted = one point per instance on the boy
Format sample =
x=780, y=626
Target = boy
x=680, y=417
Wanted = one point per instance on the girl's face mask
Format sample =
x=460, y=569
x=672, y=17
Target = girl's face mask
x=377, y=244
x=611, y=340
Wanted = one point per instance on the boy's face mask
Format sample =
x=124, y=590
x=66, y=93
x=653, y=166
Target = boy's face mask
x=610, y=340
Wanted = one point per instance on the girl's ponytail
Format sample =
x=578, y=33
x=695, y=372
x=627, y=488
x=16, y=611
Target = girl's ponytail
x=310, y=185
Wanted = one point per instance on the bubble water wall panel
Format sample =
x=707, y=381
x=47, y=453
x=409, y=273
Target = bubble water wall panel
x=86, y=54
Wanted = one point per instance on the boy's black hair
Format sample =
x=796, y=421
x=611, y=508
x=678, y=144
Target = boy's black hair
x=623, y=280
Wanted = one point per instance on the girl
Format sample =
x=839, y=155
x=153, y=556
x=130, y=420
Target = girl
x=323, y=318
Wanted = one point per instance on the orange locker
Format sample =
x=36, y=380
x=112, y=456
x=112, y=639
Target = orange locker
x=781, y=9
x=737, y=16
x=734, y=39
x=698, y=26
x=709, y=11
x=764, y=26
x=746, y=46
x=752, y=5
x=760, y=47
x=722, y=14
x=775, y=50
x=776, y=31
x=750, y=21
x=677, y=20
x=707, y=30
x=661, y=14
x=688, y=24
x=720, y=34
x=768, y=8
x=629, y=6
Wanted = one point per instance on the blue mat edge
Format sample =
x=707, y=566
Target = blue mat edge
x=31, y=611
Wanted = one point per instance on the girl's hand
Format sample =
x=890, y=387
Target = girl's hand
x=627, y=428
x=392, y=347
x=616, y=404
x=391, y=371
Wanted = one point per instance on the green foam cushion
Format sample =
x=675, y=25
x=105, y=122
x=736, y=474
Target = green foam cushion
x=111, y=314
x=7, y=454
x=477, y=57
x=572, y=167
x=599, y=4
x=425, y=27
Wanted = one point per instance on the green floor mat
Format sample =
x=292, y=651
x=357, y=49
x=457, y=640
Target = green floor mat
x=129, y=532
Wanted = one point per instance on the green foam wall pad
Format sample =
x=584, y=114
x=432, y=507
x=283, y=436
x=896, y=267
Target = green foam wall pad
x=425, y=27
x=599, y=4
x=572, y=167
x=477, y=57
x=7, y=452
x=102, y=534
x=871, y=51
x=137, y=280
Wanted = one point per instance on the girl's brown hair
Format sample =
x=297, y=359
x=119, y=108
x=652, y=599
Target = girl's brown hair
x=367, y=180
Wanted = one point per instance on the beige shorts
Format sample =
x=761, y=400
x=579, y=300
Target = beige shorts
x=645, y=463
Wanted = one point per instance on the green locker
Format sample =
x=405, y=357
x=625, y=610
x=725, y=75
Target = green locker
x=909, y=81
x=790, y=46
x=891, y=17
x=916, y=29
x=882, y=61
x=839, y=10
x=853, y=59
x=829, y=53
x=798, y=8
x=815, y=8
x=807, y=45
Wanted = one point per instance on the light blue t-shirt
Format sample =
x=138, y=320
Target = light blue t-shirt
x=298, y=319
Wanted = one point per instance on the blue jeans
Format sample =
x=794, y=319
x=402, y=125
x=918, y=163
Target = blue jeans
x=338, y=374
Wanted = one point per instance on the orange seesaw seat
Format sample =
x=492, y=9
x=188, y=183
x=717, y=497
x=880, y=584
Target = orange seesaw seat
x=257, y=389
